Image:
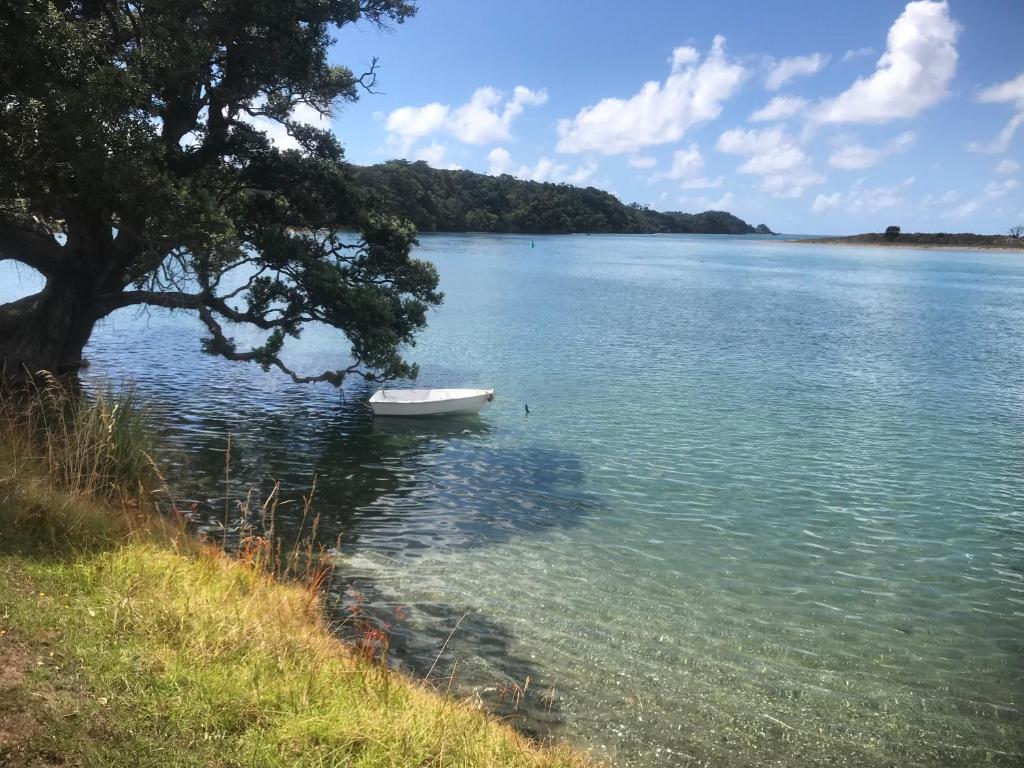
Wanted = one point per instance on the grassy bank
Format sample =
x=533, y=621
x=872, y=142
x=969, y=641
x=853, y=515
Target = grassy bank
x=126, y=642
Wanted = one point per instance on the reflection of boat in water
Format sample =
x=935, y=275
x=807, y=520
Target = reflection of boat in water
x=455, y=425
x=429, y=402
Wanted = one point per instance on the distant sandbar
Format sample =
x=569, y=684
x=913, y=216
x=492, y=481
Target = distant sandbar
x=963, y=241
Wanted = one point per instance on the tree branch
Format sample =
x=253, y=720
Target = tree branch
x=179, y=300
x=224, y=347
x=206, y=306
x=30, y=246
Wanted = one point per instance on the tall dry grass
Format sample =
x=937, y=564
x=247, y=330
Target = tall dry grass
x=92, y=443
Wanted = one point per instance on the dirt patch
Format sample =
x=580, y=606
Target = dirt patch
x=17, y=725
x=14, y=666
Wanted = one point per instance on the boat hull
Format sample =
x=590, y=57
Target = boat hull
x=398, y=402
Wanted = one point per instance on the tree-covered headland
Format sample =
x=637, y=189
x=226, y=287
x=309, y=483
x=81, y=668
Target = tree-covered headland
x=463, y=201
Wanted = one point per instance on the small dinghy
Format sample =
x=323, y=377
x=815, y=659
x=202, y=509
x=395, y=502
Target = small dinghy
x=428, y=402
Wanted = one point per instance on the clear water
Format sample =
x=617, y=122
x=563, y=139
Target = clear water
x=767, y=507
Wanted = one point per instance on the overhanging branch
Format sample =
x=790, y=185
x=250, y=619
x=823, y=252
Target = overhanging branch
x=208, y=307
x=225, y=348
x=32, y=247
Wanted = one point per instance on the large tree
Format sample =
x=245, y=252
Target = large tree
x=133, y=171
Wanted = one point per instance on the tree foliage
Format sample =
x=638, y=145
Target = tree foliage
x=132, y=172
x=463, y=201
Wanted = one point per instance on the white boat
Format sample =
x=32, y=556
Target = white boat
x=428, y=402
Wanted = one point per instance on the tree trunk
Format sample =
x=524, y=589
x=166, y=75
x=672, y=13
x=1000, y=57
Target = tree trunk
x=46, y=331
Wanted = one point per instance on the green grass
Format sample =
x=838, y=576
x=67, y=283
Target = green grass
x=125, y=642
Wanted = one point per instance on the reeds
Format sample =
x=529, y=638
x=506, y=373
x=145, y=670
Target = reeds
x=90, y=443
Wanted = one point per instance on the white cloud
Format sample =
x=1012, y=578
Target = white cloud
x=912, y=75
x=479, y=122
x=854, y=156
x=797, y=66
x=857, y=53
x=1001, y=142
x=686, y=163
x=411, y=123
x=487, y=117
x=642, y=161
x=501, y=161
x=1007, y=166
x=658, y=113
x=1009, y=92
x=784, y=168
x=824, y=202
x=433, y=154
x=861, y=199
x=278, y=134
x=683, y=56
x=779, y=108
x=546, y=169
x=994, y=190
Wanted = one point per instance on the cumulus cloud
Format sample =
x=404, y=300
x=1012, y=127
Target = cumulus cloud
x=432, y=154
x=783, y=71
x=861, y=199
x=1007, y=166
x=854, y=156
x=784, y=167
x=686, y=166
x=913, y=74
x=779, y=108
x=479, y=121
x=411, y=123
x=685, y=163
x=500, y=160
x=659, y=113
x=487, y=117
x=1009, y=92
x=546, y=169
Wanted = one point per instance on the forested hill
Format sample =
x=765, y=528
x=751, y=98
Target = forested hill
x=463, y=201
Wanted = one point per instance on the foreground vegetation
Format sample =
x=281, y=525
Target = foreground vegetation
x=925, y=240
x=462, y=201
x=126, y=642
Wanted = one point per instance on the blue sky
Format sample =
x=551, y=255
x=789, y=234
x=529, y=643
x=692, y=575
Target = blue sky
x=827, y=117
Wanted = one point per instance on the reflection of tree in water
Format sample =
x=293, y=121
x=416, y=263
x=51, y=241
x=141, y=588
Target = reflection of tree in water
x=402, y=489
x=401, y=486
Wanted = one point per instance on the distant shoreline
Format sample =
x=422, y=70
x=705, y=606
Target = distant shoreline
x=923, y=241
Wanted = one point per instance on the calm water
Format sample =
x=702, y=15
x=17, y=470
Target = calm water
x=767, y=508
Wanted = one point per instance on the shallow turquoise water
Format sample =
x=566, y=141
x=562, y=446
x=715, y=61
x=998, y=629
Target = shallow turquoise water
x=767, y=508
